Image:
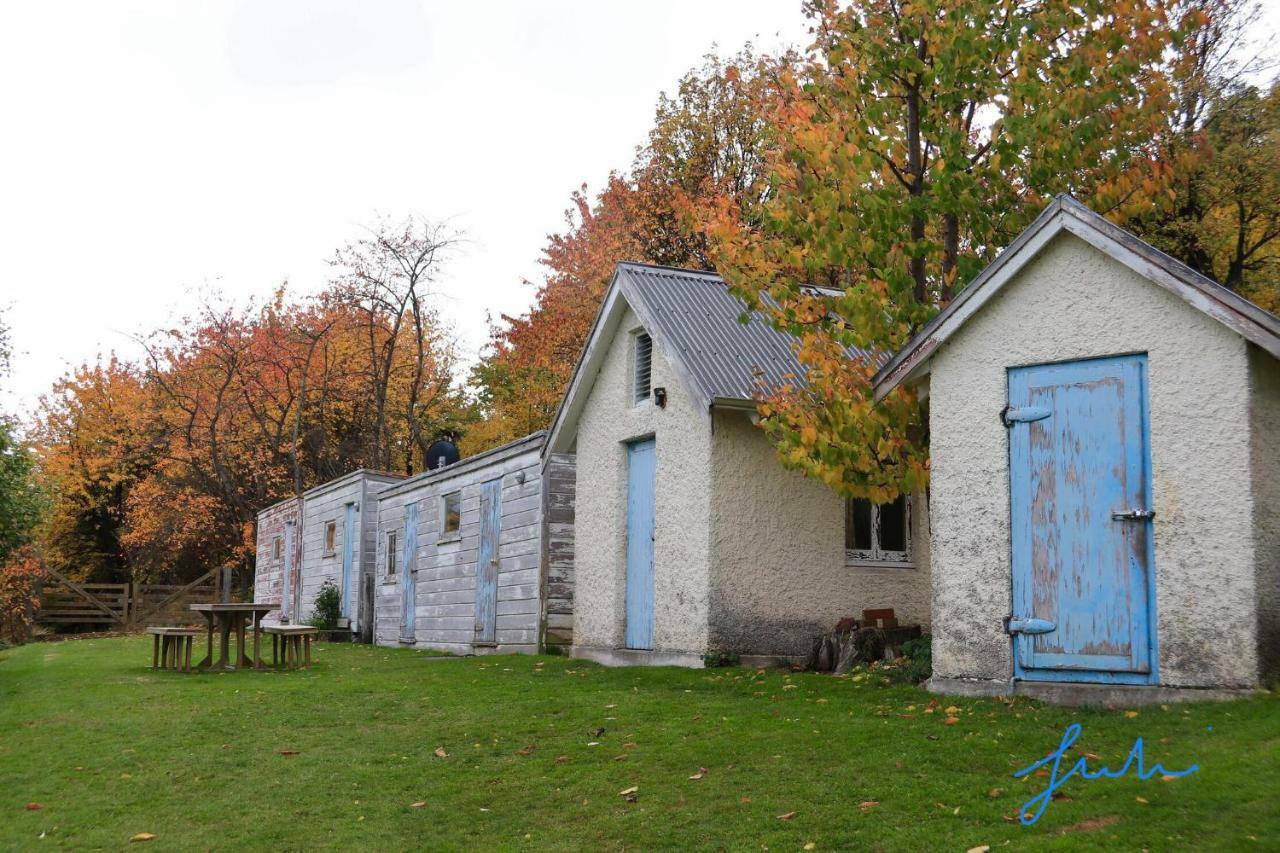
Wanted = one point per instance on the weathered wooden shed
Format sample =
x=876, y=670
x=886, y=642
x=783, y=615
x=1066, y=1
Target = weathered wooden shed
x=460, y=554
x=326, y=535
x=1105, y=440
x=689, y=536
x=278, y=554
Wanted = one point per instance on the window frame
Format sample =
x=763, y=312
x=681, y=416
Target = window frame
x=329, y=542
x=391, y=561
x=277, y=549
x=638, y=399
x=875, y=556
x=447, y=534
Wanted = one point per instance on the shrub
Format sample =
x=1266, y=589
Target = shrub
x=711, y=660
x=328, y=608
x=916, y=664
x=19, y=596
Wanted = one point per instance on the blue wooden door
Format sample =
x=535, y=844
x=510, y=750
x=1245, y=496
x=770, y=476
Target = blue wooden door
x=287, y=579
x=1081, y=524
x=487, y=563
x=349, y=544
x=408, y=583
x=641, y=471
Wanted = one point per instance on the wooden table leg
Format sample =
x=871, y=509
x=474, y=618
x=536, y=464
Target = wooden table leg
x=190, y=641
x=306, y=641
x=257, y=640
x=242, y=658
x=224, y=641
x=155, y=652
x=208, y=656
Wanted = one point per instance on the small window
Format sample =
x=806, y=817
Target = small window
x=452, y=513
x=644, y=366
x=392, y=554
x=277, y=548
x=877, y=533
x=330, y=538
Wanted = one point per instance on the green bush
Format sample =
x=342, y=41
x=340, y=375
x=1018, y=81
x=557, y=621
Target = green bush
x=711, y=660
x=328, y=608
x=916, y=663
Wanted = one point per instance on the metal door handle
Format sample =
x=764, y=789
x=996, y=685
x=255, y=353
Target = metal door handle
x=1134, y=515
x=1013, y=625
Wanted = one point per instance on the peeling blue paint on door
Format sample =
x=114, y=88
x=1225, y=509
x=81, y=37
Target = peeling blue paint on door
x=641, y=477
x=408, y=581
x=348, y=557
x=487, y=563
x=1083, y=591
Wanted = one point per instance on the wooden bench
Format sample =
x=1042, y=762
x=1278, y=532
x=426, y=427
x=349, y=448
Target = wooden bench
x=171, y=647
x=291, y=644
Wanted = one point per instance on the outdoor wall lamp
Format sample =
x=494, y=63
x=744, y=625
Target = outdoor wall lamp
x=660, y=397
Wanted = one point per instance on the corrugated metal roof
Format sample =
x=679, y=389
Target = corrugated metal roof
x=695, y=314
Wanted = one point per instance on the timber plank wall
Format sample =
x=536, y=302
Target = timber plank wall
x=557, y=556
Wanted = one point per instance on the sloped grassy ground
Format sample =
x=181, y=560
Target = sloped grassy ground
x=110, y=749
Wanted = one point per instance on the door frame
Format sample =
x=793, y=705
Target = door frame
x=488, y=555
x=1152, y=676
x=630, y=447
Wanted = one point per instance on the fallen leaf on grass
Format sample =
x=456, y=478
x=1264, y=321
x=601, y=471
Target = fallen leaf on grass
x=868, y=804
x=620, y=757
x=633, y=789
x=561, y=759
x=1131, y=714
x=288, y=752
x=441, y=752
x=786, y=816
x=528, y=749
x=628, y=746
x=950, y=721
x=952, y=710
x=1091, y=755
x=34, y=807
x=419, y=804
x=995, y=792
x=702, y=771
x=143, y=836
x=1167, y=778
x=746, y=801
x=810, y=846
x=1143, y=800
x=985, y=848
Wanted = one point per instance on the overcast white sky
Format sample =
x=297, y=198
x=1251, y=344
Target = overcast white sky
x=150, y=149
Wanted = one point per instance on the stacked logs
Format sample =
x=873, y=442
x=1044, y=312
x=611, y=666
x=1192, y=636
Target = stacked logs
x=876, y=636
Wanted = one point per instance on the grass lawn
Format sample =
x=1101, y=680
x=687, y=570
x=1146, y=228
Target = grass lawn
x=508, y=752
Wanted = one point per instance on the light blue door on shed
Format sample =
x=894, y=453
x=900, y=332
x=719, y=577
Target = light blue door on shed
x=349, y=543
x=487, y=563
x=1080, y=499
x=408, y=583
x=641, y=477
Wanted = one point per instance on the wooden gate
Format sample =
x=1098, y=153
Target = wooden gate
x=111, y=606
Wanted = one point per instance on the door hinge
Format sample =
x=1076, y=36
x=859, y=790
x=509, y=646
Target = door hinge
x=1011, y=415
x=1013, y=625
x=1134, y=515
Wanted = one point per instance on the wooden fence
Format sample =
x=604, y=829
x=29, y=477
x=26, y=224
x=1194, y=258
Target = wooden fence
x=110, y=606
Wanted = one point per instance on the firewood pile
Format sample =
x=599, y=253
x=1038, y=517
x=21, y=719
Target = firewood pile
x=876, y=636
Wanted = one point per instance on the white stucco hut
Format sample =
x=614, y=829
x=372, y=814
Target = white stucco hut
x=1105, y=493
x=690, y=536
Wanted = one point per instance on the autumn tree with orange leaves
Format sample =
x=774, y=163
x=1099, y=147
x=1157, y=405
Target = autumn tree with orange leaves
x=916, y=142
x=159, y=468
x=709, y=139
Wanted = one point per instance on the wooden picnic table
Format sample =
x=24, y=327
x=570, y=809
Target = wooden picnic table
x=231, y=617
